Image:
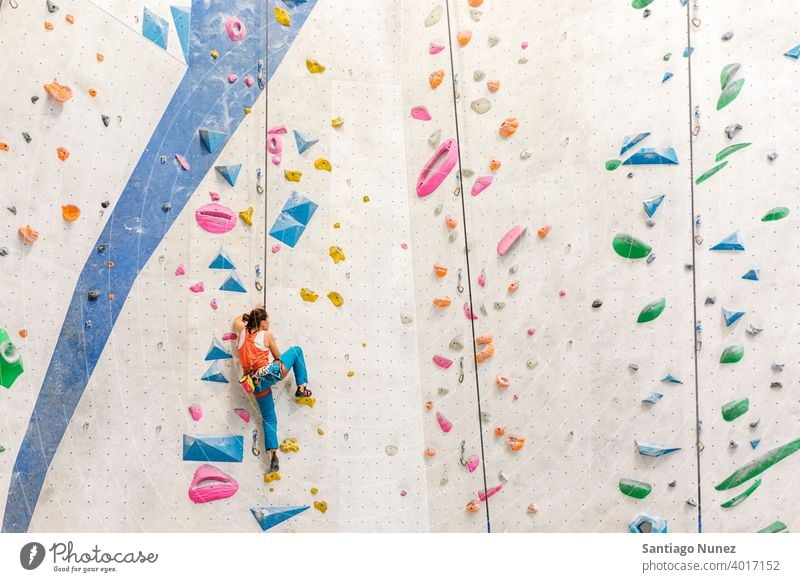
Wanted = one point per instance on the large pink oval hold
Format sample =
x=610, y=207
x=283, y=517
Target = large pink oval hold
x=210, y=484
x=236, y=29
x=508, y=240
x=437, y=168
x=215, y=218
x=442, y=362
x=421, y=112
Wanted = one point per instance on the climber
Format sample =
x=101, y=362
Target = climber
x=256, y=342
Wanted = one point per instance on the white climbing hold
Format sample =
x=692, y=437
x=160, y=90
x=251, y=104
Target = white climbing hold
x=434, y=17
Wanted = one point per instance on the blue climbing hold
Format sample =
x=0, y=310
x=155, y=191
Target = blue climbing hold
x=294, y=3
x=646, y=156
x=731, y=316
x=233, y=283
x=181, y=16
x=230, y=173
x=652, y=204
x=287, y=230
x=212, y=139
x=732, y=242
x=223, y=449
x=667, y=77
x=302, y=142
x=793, y=53
x=155, y=28
x=670, y=379
x=653, y=398
x=300, y=208
x=269, y=517
x=631, y=140
x=754, y=443
x=752, y=275
x=688, y=51
x=650, y=450
x=222, y=261
x=214, y=374
x=217, y=351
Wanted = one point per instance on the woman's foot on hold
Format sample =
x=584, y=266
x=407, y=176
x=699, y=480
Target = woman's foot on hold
x=302, y=392
x=273, y=464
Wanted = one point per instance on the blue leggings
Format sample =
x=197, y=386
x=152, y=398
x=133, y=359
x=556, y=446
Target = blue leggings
x=267, y=377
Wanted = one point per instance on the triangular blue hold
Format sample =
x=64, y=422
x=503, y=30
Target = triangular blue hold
x=233, y=283
x=755, y=442
x=752, y=275
x=667, y=77
x=287, y=230
x=181, y=17
x=303, y=143
x=647, y=156
x=732, y=317
x=300, y=208
x=732, y=242
x=652, y=204
x=294, y=3
x=653, y=398
x=217, y=351
x=223, y=449
x=631, y=140
x=230, y=173
x=155, y=28
x=214, y=374
x=212, y=139
x=222, y=261
x=269, y=517
x=793, y=53
x=688, y=50
x=670, y=379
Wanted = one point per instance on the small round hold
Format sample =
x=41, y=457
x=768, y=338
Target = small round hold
x=688, y=266
x=105, y=204
x=453, y=236
x=499, y=305
x=596, y=303
x=772, y=156
x=166, y=207
x=692, y=501
x=88, y=323
x=502, y=477
x=733, y=445
x=672, y=483
x=630, y=174
x=34, y=99
x=163, y=159
x=105, y=120
x=93, y=295
x=532, y=363
x=728, y=35
x=646, y=13
x=651, y=257
x=102, y=248
x=650, y=222
x=3, y=252
x=633, y=367
x=513, y=269
x=438, y=210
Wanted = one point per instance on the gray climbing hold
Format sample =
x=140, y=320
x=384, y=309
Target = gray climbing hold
x=672, y=483
x=478, y=75
x=475, y=14
x=27, y=137
x=633, y=367
x=483, y=309
x=51, y=6
x=93, y=295
x=105, y=203
x=728, y=35
x=522, y=60
x=650, y=222
x=166, y=207
x=481, y=106
x=772, y=156
x=493, y=41
x=457, y=343
x=502, y=477
x=467, y=173
x=711, y=300
x=438, y=210
x=102, y=248
x=733, y=444
x=776, y=385
x=596, y=303
x=499, y=305
x=12, y=209
x=777, y=366
x=753, y=330
x=435, y=138
x=452, y=236
x=443, y=391
x=755, y=423
x=406, y=318
x=105, y=120
x=525, y=154
x=692, y=501
x=532, y=363
x=34, y=99
x=3, y=251
x=513, y=269
x=434, y=16
x=391, y=450
x=486, y=416
x=732, y=130
x=651, y=257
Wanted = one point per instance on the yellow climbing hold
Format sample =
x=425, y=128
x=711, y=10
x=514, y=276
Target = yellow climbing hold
x=247, y=111
x=365, y=198
x=292, y=176
x=309, y=401
x=320, y=432
x=214, y=54
x=350, y=374
x=308, y=295
x=289, y=445
x=337, y=254
x=336, y=225
x=247, y=216
x=336, y=299
x=270, y=477
x=323, y=164
x=314, y=66
x=282, y=16
x=363, y=345
x=321, y=506
x=314, y=491
x=337, y=122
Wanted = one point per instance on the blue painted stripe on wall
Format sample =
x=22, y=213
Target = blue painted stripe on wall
x=137, y=224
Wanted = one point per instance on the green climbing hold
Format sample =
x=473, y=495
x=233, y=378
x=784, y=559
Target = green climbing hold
x=729, y=94
x=729, y=150
x=629, y=247
x=635, y=489
x=732, y=354
x=735, y=408
x=775, y=527
x=10, y=360
x=667, y=56
x=612, y=165
x=2, y=449
x=652, y=310
x=775, y=214
x=710, y=173
x=759, y=465
x=743, y=495
x=728, y=71
x=641, y=3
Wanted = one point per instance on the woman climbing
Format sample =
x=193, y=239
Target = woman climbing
x=256, y=342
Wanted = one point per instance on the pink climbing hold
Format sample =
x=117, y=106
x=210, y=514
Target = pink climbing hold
x=421, y=112
x=214, y=196
x=531, y=331
x=435, y=49
x=404, y=246
x=508, y=240
x=278, y=130
x=182, y=161
x=442, y=362
x=211, y=484
x=236, y=29
x=482, y=278
x=468, y=312
x=562, y=293
x=481, y=184
x=197, y=287
x=437, y=168
x=516, y=397
x=275, y=248
x=248, y=80
x=243, y=414
x=232, y=78
x=483, y=496
x=215, y=218
x=214, y=304
x=473, y=462
x=444, y=424
x=524, y=44
x=180, y=270
x=229, y=336
x=196, y=412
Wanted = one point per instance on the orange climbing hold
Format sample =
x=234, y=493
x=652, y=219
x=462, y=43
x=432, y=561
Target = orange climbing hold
x=513, y=286
x=28, y=234
x=464, y=37
x=442, y=301
x=59, y=92
x=509, y=127
x=3, y=146
x=451, y=222
x=485, y=354
x=100, y=57
x=92, y=93
x=62, y=154
x=544, y=231
x=430, y=452
x=475, y=3
x=474, y=506
x=48, y=25
x=70, y=212
x=435, y=79
x=503, y=381
x=23, y=333
x=494, y=164
x=429, y=405
x=440, y=270
x=70, y=18
x=484, y=339
x=493, y=86
x=515, y=442
x=499, y=431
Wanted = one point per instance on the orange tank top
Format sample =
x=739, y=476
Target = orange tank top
x=253, y=352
